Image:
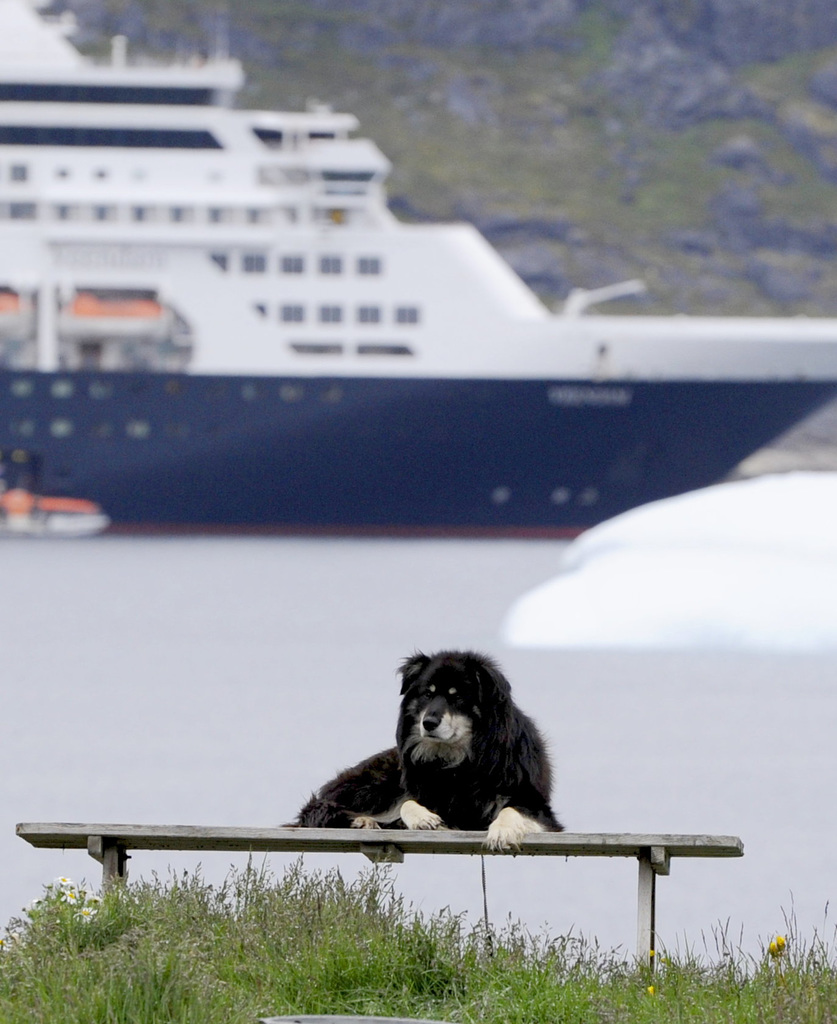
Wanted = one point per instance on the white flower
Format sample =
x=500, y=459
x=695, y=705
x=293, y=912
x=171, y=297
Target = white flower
x=63, y=883
x=70, y=896
x=32, y=905
x=86, y=913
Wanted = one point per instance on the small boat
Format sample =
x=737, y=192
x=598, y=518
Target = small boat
x=24, y=514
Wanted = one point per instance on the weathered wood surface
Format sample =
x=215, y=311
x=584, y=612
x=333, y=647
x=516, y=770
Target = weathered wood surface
x=75, y=835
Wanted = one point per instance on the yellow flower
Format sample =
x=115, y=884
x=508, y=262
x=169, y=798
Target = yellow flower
x=650, y=990
x=777, y=946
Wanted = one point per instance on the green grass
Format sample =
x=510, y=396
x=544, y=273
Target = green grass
x=186, y=951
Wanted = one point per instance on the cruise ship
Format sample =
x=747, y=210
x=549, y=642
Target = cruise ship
x=210, y=320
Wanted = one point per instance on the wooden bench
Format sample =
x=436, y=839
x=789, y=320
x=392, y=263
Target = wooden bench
x=109, y=844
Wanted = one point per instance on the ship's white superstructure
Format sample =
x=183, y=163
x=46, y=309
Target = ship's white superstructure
x=147, y=223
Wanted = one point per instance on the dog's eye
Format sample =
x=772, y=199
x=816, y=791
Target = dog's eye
x=431, y=688
x=452, y=690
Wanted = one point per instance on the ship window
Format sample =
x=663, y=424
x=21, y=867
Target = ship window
x=100, y=173
x=220, y=259
x=254, y=262
x=102, y=431
x=62, y=388
x=19, y=172
x=291, y=392
x=22, y=387
x=407, y=315
x=321, y=135
x=249, y=392
x=258, y=216
x=177, y=430
x=61, y=428
x=331, y=314
x=215, y=215
x=62, y=172
x=100, y=389
x=384, y=350
x=180, y=214
x=369, y=265
x=22, y=211
x=139, y=213
x=292, y=265
x=317, y=348
x=138, y=429
x=271, y=137
x=103, y=213
x=331, y=264
x=65, y=212
x=45, y=93
x=292, y=314
x=348, y=175
x=121, y=138
x=369, y=314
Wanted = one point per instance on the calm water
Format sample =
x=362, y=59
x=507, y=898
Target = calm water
x=217, y=681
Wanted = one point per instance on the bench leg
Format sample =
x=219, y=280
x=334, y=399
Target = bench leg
x=646, y=909
x=113, y=857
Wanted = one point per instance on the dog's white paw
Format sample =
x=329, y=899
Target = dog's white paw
x=364, y=821
x=509, y=829
x=415, y=816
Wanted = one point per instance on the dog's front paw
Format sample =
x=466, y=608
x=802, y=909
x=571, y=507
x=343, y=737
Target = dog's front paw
x=364, y=821
x=509, y=829
x=415, y=816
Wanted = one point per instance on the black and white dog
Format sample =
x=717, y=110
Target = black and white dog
x=466, y=758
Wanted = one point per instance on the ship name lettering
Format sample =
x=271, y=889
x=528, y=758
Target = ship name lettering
x=577, y=395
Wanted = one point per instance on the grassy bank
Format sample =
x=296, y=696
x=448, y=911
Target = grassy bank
x=185, y=951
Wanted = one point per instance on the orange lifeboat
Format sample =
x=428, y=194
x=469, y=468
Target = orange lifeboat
x=25, y=514
x=86, y=304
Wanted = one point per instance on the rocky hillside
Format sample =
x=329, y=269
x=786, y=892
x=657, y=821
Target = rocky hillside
x=692, y=143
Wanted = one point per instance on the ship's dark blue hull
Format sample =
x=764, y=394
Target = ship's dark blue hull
x=380, y=454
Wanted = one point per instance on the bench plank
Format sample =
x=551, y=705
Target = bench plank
x=75, y=835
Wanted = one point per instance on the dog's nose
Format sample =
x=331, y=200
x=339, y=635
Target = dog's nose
x=430, y=723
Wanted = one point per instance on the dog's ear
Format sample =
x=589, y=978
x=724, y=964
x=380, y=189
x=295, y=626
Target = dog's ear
x=411, y=668
x=493, y=685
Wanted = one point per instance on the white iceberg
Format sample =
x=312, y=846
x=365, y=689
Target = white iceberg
x=748, y=566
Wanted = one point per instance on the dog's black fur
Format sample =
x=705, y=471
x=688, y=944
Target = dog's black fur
x=466, y=757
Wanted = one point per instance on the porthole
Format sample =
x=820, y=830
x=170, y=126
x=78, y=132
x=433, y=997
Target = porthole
x=589, y=496
x=139, y=430
x=560, y=496
x=100, y=389
x=22, y=387
x=62, y=388
x=249, y=392
x=23, y=428
x=500, y=495
x=101, y=431
x=61, y=428
x=332, y=394
x=290, y=392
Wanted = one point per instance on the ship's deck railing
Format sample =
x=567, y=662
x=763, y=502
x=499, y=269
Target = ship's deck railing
x=109, y=844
